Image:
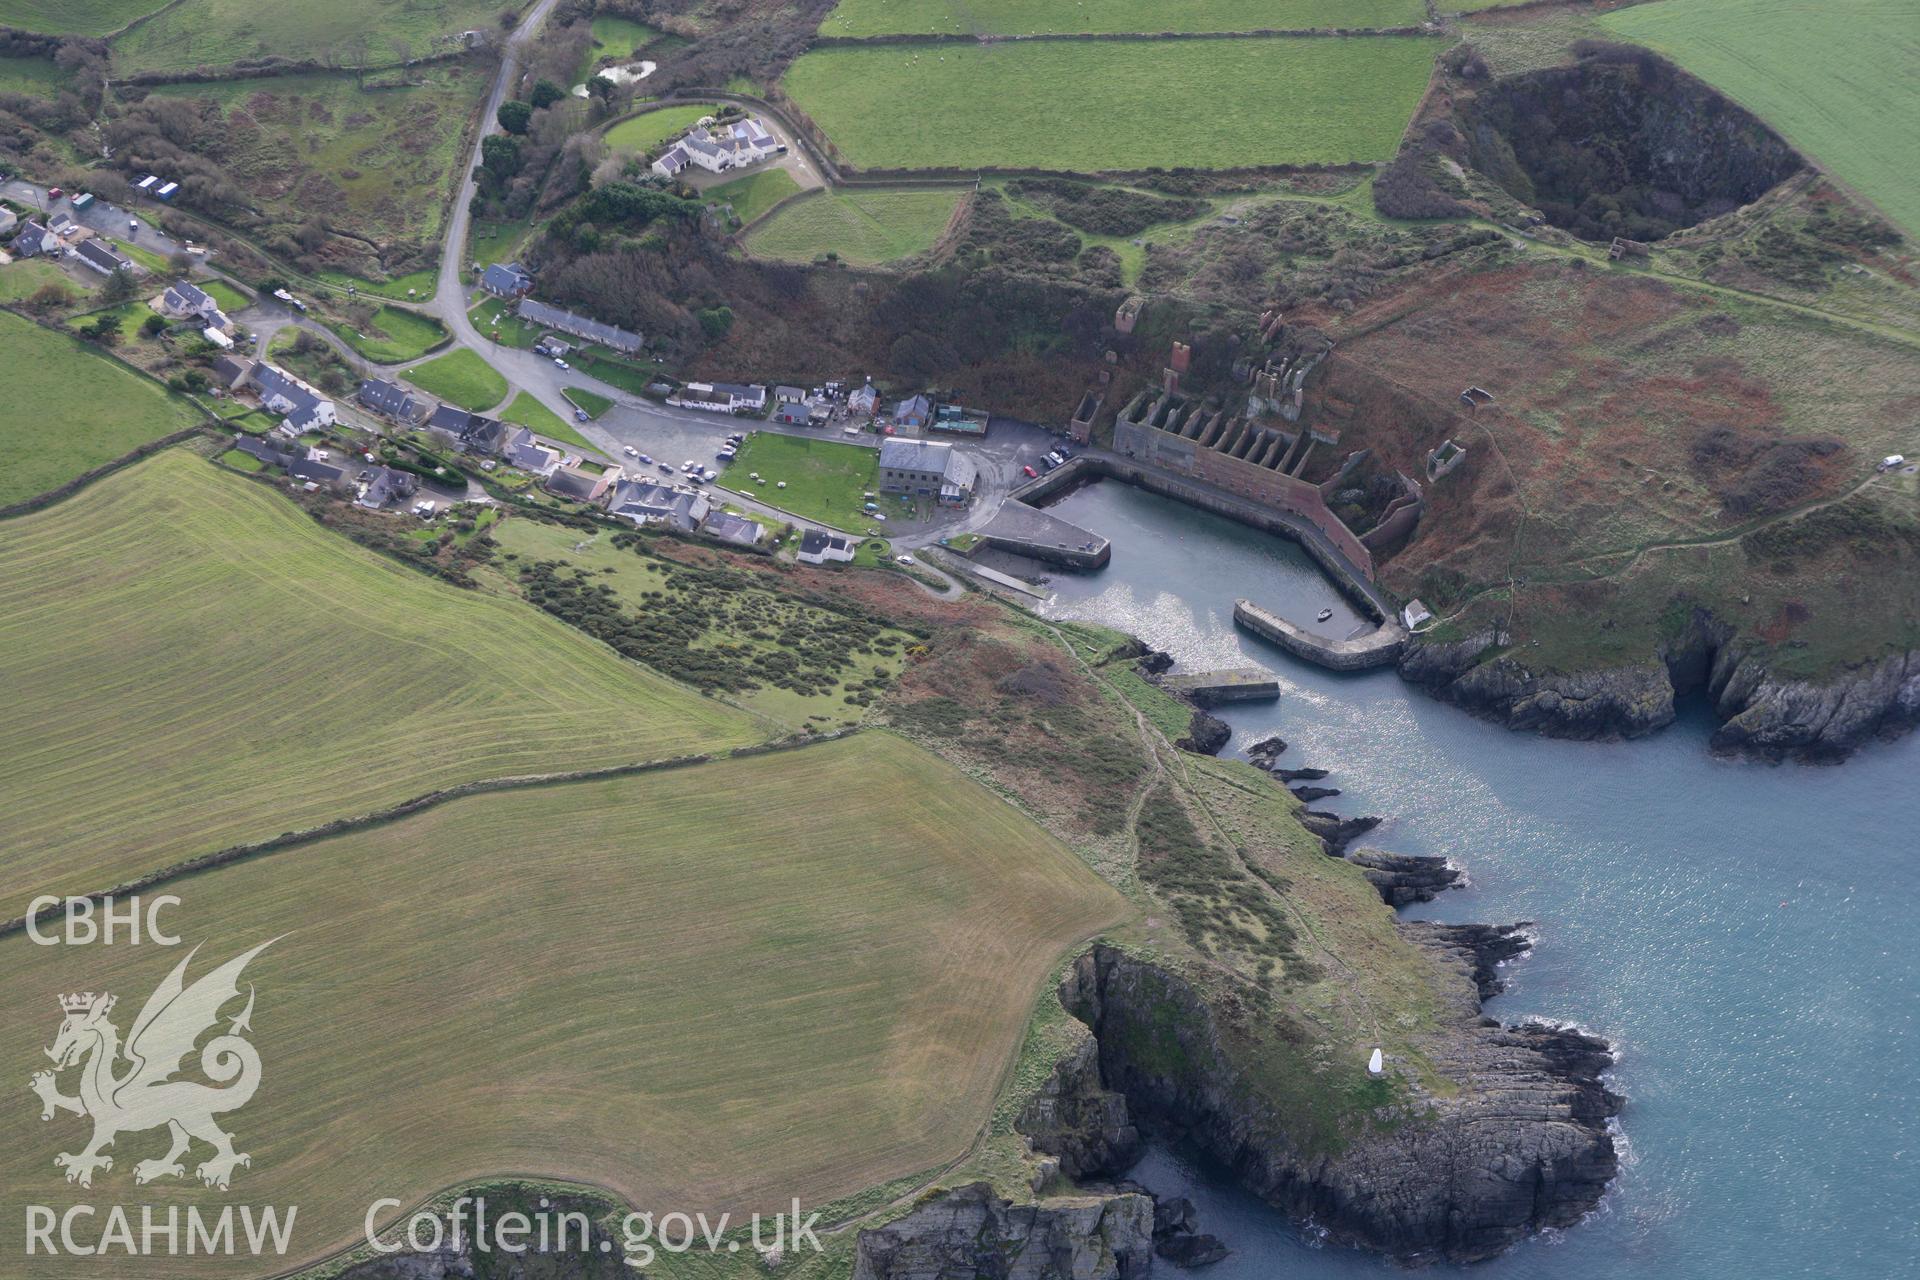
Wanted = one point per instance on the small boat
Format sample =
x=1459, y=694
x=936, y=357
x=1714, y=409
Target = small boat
x=1324, y=615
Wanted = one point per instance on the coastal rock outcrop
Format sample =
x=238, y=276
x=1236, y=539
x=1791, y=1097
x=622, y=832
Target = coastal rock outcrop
x=1405, y=878
x=970, y=1231
x=1335, y=832
x=1523, y=1146
x=1760, y=713
x=1080, y=1122
x=1206, y=734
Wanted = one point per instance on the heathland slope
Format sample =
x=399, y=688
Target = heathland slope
x=193, y=663
x=714, y=988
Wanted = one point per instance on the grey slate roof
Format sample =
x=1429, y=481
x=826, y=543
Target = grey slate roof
x=184, y=296
x=639, y=500
x=913, y=407
x=384, y=485
x=389, y=398
x=739, y=530
x=318, y=472
x=570, y=482
x=103, y=256
x=278, y=385
x=914, y=455
x=265, y=450
x=504, y=279
x=579, y=326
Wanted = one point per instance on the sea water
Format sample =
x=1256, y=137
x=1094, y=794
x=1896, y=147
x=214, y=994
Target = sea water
x=1745, y=933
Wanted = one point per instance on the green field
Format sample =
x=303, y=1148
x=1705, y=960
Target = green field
x=700, y=987
x=529, y=412
x=74, y=17
x=36, y=76
x=825, y=479
x=351, y=33
x=460, y=377
x=646, y=131
x=1841, y=80
x=754, y=194
x=616, y=39
x=376, y=163
x=1085, y=106
x=593, y=402
x=22, y=279
x=1025, y=17
x=229, y=298
x=68, y=408
x=862, y=227
x=397, y=335
x=194, y=662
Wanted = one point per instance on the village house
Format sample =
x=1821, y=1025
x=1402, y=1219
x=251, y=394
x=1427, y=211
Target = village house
x=923, y=468
x=232, y=372
x=718, y=148
x=912, y=412
x=102, y=257
x=609, y=336
x=738, y=530
x=645, y=502
x=382, y=485
x=817, y=546
x=390, y=400
x=580, y=484
x=720, y=397
x=790, y=406
x=525, y=451
x=302, y=407
x=185, y=301
x=267, y=452
x=468, y=431
x=865, y=402
x=35, y=239
x=506, y=281
x=310, y=470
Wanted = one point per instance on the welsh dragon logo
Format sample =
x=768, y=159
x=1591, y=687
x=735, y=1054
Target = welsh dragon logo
x=144, y=1093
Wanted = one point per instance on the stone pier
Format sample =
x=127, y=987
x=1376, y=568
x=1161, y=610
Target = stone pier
x=1377, y=648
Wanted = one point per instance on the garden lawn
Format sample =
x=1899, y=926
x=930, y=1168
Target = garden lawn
x=26, y=277
x=68, y=408
x=132, y=612
x=1028, y=17
x=1840, y=80
x=754, y=194
x=398, y=334
x=861, y=227
x=699, y=987
x=1085, y=106
x=493, y=316
x=825, y=479
x=229, y=298
x=529, y=412
x=644, y=132
x=462, y=378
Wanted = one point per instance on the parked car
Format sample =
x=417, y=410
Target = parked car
x=581, y=415
x=1031, y=473
x=54, y=193
x=665, y=470
x=1055, y=458
x=646, y=460
x=561, y=364
x=632, y=452
x=903, y=559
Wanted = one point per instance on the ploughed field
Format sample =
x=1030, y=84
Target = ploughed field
x=1837, y=79
x=855, y=18
x=1092, y=105
x=710, y=988
x=194, y=663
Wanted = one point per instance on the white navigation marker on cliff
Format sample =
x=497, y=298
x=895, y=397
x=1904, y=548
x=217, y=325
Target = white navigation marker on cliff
x=1376, y=1065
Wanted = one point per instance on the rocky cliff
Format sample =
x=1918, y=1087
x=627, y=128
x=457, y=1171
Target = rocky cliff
x=970, y=1231
x=1760, y=713
x=1521, y=1144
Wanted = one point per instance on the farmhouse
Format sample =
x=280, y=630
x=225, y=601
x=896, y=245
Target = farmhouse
x=382, y=485
x=718, y=148
x=610, y=336
x=720, y=397
x=581, y=485
x=391, y=400
x=300, y=405
x=644, y=502
x=509, y=281
x=818, y=546
x=929, y=470
x=102, y=257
